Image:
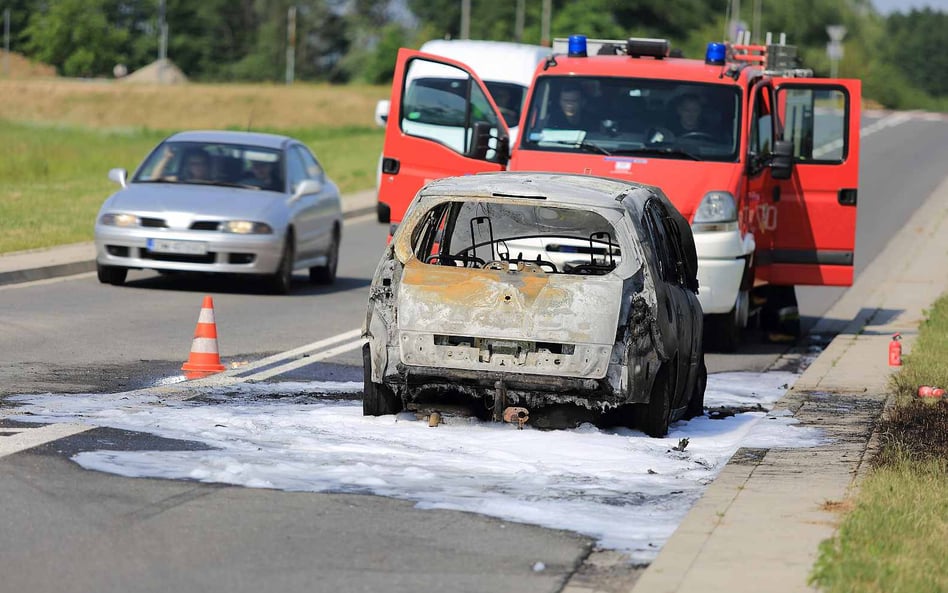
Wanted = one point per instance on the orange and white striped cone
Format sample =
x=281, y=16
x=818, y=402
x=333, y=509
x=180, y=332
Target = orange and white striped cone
x=204, y=359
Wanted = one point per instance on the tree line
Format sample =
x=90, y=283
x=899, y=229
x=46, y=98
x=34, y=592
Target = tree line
x=897, y=56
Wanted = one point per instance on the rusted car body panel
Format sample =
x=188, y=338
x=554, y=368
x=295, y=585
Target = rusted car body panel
x=531, y=331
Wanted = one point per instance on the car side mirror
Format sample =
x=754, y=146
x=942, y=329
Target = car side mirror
x=308, y=186
x=381, y=112
x=119, y=176
x=781, y=160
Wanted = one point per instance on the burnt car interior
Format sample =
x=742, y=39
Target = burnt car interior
x=517, y=237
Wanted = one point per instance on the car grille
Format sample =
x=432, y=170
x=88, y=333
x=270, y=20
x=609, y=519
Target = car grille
x=155, y=223
x=207, y=258
x=205, y=225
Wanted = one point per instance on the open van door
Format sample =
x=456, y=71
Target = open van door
x=442, y=122
x=815, y=237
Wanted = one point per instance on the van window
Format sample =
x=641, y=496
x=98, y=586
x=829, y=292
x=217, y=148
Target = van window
x=442, y=103
x=815, y=121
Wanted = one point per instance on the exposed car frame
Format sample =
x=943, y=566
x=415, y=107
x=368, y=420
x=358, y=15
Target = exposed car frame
x=620, y=337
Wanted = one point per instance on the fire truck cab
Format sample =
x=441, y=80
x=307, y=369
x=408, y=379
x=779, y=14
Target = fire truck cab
x=760, y=157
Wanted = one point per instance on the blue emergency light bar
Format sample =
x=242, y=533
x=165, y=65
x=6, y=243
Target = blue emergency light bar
x=716, y=54
x=577, y=46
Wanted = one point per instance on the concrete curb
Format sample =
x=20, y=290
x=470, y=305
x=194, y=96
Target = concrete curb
x=79, y=258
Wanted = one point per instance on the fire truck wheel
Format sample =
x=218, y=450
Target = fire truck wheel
x=722, y=331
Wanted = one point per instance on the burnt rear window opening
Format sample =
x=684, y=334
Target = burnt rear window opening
x=509, y=236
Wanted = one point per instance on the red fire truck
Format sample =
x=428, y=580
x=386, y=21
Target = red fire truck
x=760, y=157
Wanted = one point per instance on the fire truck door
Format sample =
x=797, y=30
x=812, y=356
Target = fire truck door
x=815, y=237
x=442, y=122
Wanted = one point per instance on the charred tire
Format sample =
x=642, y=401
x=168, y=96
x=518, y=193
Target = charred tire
x=282, y=280
x=111, y=274
x=377, y=399
x=696, y=403
x=654, y=421
x=327, y=274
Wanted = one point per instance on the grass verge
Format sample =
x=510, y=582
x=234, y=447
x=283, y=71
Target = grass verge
x=894, y=539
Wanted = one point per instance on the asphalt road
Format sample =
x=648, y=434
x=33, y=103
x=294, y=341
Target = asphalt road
x=69, y=529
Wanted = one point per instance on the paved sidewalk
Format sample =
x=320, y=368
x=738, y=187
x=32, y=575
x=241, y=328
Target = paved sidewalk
x=759, y=524
x=66, y=260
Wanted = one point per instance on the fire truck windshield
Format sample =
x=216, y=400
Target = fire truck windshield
x=659, y=118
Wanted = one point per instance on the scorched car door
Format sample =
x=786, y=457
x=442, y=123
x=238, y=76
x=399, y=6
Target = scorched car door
x=815, y=237
x=442, y=122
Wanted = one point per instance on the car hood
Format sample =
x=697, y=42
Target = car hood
x=199, y=200
x=509, y=305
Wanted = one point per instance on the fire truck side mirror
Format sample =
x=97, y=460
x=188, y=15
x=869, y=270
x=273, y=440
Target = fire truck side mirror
x=781, y=160
x=485, y=141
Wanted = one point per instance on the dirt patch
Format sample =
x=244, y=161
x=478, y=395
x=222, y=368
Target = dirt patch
x=14, y=65
x=918, y=429
x=837, y=506
x=158, y=72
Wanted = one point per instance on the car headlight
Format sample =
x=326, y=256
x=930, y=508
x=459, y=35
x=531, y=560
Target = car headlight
x=119, y=219
x=716, y=212
x=246, y=227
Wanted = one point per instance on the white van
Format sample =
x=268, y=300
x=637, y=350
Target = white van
x=506, y=68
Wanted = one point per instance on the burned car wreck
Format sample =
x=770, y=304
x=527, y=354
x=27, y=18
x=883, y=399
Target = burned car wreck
x=512, y=294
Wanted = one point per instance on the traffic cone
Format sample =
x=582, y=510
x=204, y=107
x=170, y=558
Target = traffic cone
x=204, y=359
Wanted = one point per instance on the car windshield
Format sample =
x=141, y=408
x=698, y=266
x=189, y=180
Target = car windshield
x=630, y=116
x=213, y=163
x=509, y=236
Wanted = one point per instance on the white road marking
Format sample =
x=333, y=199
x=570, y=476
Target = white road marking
x=229, y=375
x=34, y=437
x=301, y=362
x=886, y=122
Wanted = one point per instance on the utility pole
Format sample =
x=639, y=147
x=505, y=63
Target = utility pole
x=6, y=42
x=465, y=19
x=162, y=41
x=545, y=23
x=518, y=22
x=290, y=44
x=755, y=27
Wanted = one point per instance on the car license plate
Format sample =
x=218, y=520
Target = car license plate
x=182, y=247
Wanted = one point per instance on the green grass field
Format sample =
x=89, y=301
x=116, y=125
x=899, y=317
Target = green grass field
x=59, y=144
x=896, y=536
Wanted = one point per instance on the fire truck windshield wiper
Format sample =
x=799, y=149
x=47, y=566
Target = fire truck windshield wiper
x=587, y=146
x=660, y=150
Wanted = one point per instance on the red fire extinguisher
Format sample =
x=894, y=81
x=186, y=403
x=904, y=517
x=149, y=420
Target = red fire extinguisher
x=895, y=351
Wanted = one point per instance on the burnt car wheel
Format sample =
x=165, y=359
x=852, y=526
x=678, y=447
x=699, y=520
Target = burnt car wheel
x=281, y=281
x=696, y=403
x=654, y=421
x=377, y=399
x=327, y=274
x=111, y=274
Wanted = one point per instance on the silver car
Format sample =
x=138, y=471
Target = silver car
x=225, y=202
x=518, y=296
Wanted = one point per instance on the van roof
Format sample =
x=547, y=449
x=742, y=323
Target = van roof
x=497, y=61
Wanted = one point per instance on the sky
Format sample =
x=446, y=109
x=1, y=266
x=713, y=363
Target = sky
x=889, y=6
x=627, y=491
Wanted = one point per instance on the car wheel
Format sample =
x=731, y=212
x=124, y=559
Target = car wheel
x=111, y=274
x=327, y=274
x=658, y=408
x=377, y=399
x=723, y=330
x=282, y=280
x=696, y=403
